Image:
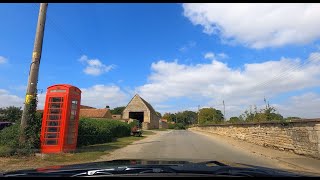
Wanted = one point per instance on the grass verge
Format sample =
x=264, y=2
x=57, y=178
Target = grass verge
x=81, y=155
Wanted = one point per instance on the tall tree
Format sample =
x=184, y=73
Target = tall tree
x=210, y=115
x=170, y=117
x=117, y=110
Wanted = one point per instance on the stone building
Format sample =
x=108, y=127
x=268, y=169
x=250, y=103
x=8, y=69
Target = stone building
x=142, y=111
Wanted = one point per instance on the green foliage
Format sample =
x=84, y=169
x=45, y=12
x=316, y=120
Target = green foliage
x=266, y=114
x=176, y=126
x=169, y=116
x=234, y=120
x=94, y=131
x=10, y=136
x=134, y=123
x=291, y=118
x=32, y=131
x=117, y=110
x=11, y=114
x=185, y=117
x=210, y=115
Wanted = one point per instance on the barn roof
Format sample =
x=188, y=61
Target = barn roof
x=95, y=113
x=86, y=107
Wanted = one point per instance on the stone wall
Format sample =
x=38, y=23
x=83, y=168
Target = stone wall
x=163, y=125
x=298, y=136
x=145, y=125
x=154, y=121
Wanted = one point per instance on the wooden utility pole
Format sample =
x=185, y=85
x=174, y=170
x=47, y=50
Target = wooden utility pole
x=34, y=68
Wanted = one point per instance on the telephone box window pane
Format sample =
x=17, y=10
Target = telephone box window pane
x=53, y=123
x=52, y=135
x=51, y=141
x=54, y=117
x=56, y=99
x=54, y=111
x=72, y=117
x=56, y=105
x=73, y=112
x=52, y=129
x=70, y=139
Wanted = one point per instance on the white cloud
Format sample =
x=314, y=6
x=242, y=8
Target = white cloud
x=223, y=55
x=188, y=46
x=8, y=99
x=239, y=88
x=213, y=56
x=209, y=55
x=101, y=95
x=98, y=96
x=3, y=60
x=94, y=66
x=304, y=106
x=257, y=25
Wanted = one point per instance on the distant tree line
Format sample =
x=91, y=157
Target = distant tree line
x=263, y=115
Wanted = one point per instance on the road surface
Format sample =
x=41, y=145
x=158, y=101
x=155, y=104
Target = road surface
x=197, y=147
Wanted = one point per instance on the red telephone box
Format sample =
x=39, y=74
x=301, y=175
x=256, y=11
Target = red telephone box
x=59, y=129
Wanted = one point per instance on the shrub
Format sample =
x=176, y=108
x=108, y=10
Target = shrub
x=94, y=131
x=10, y=136
x=134, y=123
x=9, y=141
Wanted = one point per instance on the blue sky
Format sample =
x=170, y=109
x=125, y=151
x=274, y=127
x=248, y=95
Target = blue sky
x=176, y=56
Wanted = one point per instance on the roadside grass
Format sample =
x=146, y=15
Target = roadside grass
x=147, y=132
x=81, y=155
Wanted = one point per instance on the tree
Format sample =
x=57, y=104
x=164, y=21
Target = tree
x=185, y=117
x=191, y=117
x=210, y=115
x=11, y=114
x=266, y=114
x=170, y=117
x=117, y=110
x=234, y=120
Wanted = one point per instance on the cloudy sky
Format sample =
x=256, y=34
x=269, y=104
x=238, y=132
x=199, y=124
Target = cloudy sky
x=176, y=56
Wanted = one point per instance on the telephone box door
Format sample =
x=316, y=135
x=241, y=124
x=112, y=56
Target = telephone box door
x=54, y=124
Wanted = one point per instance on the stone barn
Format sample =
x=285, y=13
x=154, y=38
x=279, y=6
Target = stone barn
x=141, y=110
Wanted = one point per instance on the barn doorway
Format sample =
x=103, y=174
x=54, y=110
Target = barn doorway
x=138, y=116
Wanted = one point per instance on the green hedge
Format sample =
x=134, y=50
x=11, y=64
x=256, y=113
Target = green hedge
x=9, y=140
x=91, y=131
x=97, y=131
